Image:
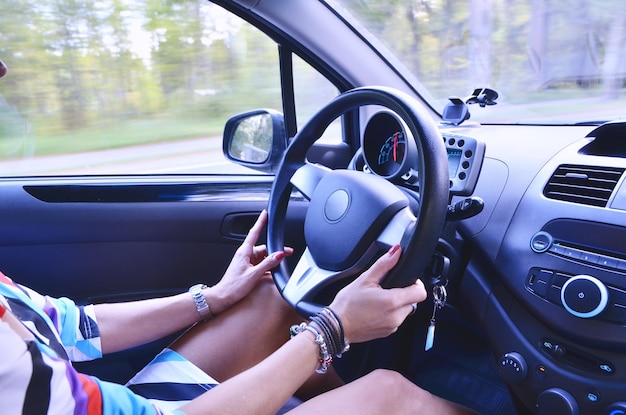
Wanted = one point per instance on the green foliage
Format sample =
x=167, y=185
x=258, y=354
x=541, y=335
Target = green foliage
x=78, y=68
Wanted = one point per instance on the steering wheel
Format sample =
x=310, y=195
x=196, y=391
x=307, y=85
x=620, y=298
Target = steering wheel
x=353, y=217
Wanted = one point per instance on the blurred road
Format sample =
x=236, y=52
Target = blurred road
x=203, y=155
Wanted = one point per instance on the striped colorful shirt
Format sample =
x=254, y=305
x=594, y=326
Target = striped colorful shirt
x=39, y=338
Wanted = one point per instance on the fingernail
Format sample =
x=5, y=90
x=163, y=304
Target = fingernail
x=279, y=255
x=394, y=249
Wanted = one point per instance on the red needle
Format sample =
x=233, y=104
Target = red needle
x=395, y=147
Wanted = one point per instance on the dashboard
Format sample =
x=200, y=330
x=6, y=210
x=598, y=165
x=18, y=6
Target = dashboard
x=549, y=278
x=547, y=268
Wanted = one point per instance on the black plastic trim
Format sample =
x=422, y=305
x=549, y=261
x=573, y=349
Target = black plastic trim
x=137, y=193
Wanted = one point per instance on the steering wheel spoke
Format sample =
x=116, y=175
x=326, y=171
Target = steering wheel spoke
x=306, y=178
x=396, y=230
x=307, y=279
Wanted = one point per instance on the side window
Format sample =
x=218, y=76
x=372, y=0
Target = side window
x=139, y=91
x=312, y=92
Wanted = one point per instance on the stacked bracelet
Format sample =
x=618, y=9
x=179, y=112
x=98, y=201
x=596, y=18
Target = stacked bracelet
x=338, y=333
x=329, y=336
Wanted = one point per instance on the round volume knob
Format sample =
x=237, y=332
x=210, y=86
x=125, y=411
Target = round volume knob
x=584, y=296
x=616, y=408
x=557, y=401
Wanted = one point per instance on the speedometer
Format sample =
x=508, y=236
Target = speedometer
x=386, y=147
x=392, y=151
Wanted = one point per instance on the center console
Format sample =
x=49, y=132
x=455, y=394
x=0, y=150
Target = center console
x=561, y=306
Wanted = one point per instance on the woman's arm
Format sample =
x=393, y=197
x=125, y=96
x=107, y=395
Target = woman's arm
x=125, y=325
x=264, y=388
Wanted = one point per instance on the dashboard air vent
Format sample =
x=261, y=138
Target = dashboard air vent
x=587, y=185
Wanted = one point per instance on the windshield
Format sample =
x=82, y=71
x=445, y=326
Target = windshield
x=550, y=61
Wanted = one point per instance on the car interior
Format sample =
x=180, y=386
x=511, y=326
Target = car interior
x=516, y=229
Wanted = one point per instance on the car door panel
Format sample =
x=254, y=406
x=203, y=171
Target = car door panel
x=114, y=239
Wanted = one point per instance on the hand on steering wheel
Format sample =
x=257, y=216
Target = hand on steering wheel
x=368, y=311
x=248, y=266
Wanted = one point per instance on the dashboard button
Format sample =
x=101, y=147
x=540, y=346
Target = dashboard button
x=606, y=261
x=584, y=296
x=541, y=242
x=554, y=295
x=571, y=253
x=557, y=249
x=560, y=279
x=589, y=257
x=606, y=368
x=592, y=396
x=553, y=348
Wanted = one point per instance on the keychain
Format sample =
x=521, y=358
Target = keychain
x=439, y=300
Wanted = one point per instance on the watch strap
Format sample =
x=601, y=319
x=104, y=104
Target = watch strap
x=201, y=305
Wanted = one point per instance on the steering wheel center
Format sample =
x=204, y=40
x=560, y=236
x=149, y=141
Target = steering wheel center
x=337, y=205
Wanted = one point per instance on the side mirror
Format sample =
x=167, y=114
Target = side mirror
x=256, y=139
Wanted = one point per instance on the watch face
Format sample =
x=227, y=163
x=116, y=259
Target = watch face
x=197, y=287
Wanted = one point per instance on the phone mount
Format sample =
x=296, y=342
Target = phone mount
x=457, y=110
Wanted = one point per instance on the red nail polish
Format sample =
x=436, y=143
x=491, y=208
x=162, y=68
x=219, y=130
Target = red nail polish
x=280, y=255
x=394, y=249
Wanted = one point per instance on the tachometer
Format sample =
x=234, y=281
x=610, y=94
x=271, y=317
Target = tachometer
x=386, y=147
x=391, y=153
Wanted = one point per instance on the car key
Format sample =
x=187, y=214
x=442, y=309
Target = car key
x=440, y=296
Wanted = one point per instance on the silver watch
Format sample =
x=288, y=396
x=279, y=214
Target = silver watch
x=201, y=305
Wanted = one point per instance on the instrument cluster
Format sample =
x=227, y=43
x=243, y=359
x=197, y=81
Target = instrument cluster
x=389, y=150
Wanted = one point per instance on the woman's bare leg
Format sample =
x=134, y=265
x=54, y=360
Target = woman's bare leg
x=379, y=392
x=244, y=335
x=259, y=324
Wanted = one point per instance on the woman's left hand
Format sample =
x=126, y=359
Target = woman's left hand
x=249, y=265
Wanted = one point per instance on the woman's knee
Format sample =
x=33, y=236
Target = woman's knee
x=388, y=379
x=407, y=397
x=395, y=385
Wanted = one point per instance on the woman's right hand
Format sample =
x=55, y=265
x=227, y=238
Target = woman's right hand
x=367, y=311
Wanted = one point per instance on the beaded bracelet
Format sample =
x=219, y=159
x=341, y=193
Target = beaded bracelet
x=324, y=330
x=329, y=336
x=325, y=358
